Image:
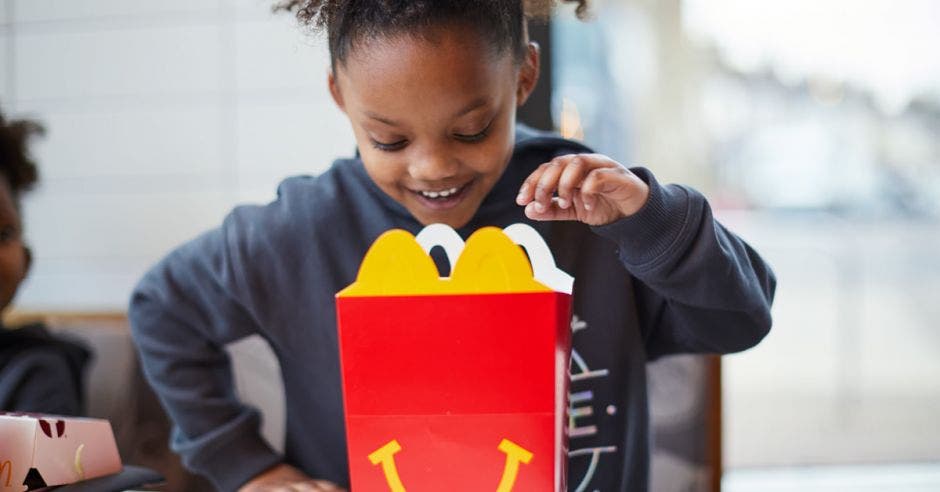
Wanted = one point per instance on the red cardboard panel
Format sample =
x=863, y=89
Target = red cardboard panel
x=484, y=353
x=444, y=380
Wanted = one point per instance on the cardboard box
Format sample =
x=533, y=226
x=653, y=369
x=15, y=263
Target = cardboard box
x=61, y=450
x=456, y=383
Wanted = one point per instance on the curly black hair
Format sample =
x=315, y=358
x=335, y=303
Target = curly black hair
x=16, y=165
x=349, y=21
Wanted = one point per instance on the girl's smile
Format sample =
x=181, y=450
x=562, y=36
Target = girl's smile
x=443, y=199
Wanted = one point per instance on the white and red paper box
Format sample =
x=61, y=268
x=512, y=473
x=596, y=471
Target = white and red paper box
x=61, y=450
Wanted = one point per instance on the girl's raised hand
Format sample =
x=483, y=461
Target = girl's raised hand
x=590, y=188
x=286, y=478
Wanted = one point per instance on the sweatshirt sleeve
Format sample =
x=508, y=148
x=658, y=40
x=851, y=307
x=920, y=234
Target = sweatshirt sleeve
x=699, y=287
x=182, y=314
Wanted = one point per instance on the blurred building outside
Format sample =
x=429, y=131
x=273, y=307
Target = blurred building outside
x=814, y=129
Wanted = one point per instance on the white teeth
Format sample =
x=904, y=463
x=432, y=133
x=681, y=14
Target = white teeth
x=442, y=193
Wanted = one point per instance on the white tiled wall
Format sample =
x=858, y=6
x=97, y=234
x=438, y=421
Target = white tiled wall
x=68, y=10
x=161, y=116
x=301, y=62
x=283, y=139
x=137, y=141
x=251, y=9
x=132, y=63
x=4, y=89
x=120, y=224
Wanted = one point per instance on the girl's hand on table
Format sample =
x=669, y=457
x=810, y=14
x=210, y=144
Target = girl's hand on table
x=286, y=478
x=591, y=188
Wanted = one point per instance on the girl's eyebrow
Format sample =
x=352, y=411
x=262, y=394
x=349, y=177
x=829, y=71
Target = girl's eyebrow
x=475, y=104
x=381, y=119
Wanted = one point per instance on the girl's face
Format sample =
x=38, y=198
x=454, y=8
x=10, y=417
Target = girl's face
x=434, y=117
x=14, y=258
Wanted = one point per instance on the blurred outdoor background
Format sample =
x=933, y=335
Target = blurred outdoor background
x=812, y=126
x=814, y=129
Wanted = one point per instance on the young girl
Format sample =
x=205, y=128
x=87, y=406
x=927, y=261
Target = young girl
x=431, y=89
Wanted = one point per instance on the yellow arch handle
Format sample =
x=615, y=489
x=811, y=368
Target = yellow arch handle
x=515, y=454
x=396, y=265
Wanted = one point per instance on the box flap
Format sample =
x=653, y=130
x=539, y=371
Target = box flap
x=491, y=261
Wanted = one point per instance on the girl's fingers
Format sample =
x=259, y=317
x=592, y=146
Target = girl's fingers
x=552, y=212
x=590, y=188
x=547, y=183
x=578, y=201
x=562, y=175
x=327, y=486
x=603, y=180
x=598, y=182
x=595, y=184
x=570, y=180
x=527, y=190
x=304, y=487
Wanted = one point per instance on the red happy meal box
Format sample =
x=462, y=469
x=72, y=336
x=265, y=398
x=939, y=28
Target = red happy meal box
x=456, y=383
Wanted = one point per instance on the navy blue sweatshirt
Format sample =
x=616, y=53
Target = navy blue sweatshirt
x=668, y=279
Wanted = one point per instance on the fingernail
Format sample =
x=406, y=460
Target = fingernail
x=539, y=207
x=562, y=203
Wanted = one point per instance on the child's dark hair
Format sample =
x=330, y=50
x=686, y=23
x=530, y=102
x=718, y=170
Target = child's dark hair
x=16, y=165
x=350, y=21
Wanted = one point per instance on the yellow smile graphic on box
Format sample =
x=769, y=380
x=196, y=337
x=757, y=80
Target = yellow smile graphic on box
x=515, y=454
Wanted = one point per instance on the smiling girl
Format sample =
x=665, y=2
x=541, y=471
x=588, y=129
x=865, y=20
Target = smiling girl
x=431, y=90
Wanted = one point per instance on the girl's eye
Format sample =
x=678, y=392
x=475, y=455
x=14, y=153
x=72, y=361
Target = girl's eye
x=476, y=137
x=7, y=233
x=389, y=147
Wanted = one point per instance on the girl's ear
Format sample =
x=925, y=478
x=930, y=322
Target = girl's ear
x=334, y=90
x=528, y=73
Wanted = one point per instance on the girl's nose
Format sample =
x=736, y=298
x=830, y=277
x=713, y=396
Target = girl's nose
x=433, y=165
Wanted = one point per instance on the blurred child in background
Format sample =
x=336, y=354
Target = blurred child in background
x=39, y=372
